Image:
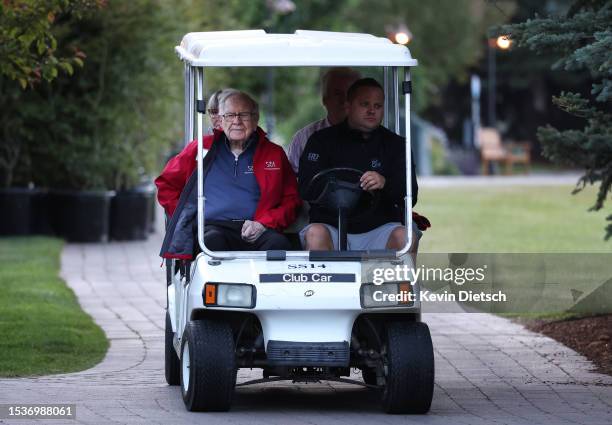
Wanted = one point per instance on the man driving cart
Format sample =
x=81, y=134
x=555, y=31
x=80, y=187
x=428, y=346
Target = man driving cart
x=360, y=142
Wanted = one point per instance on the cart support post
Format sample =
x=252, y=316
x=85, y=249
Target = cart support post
x=408, y=198
x=200, y=157
x=192, y=84
x=387, y=93
x=188, y=132
x=396, y=126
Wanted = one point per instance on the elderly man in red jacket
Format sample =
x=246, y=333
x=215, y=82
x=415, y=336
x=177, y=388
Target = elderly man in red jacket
x=250, y=188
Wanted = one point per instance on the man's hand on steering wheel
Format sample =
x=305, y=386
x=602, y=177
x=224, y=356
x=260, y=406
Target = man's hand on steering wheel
x=371, y=180
x=342, y=187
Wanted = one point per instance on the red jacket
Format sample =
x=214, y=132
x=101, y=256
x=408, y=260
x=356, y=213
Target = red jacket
x=279, y=201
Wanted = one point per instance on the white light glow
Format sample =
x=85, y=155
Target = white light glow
x=503, y=42
x=402, y=38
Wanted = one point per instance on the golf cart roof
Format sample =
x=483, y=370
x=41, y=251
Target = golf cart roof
x=303, y=48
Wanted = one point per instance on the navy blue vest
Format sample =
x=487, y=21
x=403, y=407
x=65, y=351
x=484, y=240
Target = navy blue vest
x=230, y=187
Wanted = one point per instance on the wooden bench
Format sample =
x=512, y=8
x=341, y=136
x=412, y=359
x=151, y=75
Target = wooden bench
x=493, y=150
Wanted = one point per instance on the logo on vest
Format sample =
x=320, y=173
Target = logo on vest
x=271, y=166
x=249, y=170
x=376, y=163
x=314, y=157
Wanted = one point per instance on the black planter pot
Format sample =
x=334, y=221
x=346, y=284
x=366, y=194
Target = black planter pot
x=15, y=206
x=130, y=214
x=40, y=223
x=80, y=216
x=150, y=187
x=152, y=213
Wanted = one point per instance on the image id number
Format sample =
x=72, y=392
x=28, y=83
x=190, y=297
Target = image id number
x=43, y=411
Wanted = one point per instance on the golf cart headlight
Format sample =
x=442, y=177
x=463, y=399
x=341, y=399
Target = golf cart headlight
x=386, y=295
x=229, y=295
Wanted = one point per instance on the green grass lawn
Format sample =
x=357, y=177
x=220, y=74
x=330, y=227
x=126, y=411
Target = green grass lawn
x=512, y=219
x=523, y=220
x=42, y=327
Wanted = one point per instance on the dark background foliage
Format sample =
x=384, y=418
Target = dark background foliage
x=91, y=90
x=581, y=41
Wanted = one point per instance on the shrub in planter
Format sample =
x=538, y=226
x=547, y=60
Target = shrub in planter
x=101, y=128
x=31, y=58
x=130, y=213
x=23, y=211
x=39, y=213
x=105, y=127
x=15, y=211
x=153, y=213
x=80, y=216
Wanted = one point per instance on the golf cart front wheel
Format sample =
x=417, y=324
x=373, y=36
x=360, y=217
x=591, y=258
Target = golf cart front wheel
x=409, y=368
x=208, y=366
x=172, y=363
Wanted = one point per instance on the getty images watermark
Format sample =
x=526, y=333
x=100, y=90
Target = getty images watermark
x=452, y=276
x=505, y=283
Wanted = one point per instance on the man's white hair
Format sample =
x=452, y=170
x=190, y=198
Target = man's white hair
x=213, y=101
x=223, y=98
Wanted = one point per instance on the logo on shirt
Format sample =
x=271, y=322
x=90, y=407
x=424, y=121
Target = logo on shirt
x=312, y=156
x=271, y=165
x=376, y=163
x=249, y=169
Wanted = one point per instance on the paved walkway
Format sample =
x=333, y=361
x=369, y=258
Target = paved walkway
x=488, y=370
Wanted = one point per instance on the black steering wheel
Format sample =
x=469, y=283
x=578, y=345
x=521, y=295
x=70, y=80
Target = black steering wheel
x=338, y=188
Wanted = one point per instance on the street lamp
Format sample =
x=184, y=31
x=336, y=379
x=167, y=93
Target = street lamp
x=503, y=42
x=398, y=33
x=283, y=7
x=402, y=37
x=275, y=8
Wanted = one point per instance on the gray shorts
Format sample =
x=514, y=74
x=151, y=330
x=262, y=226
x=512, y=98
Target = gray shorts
x=374, y=239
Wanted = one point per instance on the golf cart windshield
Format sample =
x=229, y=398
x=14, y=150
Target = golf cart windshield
x=256, y=48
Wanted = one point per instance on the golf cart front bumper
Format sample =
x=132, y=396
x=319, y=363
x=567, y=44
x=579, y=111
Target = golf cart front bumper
x=290, y=307
x=320, y=354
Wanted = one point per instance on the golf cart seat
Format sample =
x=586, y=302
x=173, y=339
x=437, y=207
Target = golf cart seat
x=293, y=231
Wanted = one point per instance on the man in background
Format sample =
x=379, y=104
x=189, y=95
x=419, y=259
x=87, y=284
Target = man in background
x=212, y=108
x=334, y=85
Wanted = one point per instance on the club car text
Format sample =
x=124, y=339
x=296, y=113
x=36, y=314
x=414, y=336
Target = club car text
x=314, y=277
x=307, y=277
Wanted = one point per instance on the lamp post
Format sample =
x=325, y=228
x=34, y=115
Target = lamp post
x=502, y=42
x=275, y=8
x=398, y=33
x=475, y=88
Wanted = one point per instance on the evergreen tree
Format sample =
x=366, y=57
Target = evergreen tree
x=582, y=39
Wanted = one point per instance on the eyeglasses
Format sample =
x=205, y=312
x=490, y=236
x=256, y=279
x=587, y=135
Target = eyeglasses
x=244, y=116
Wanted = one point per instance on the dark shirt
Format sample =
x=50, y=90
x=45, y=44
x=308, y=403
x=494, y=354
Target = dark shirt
x=341, y=146
x=230, y=187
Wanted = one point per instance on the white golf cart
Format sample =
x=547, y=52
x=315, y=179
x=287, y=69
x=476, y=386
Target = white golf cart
x=297, y=315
